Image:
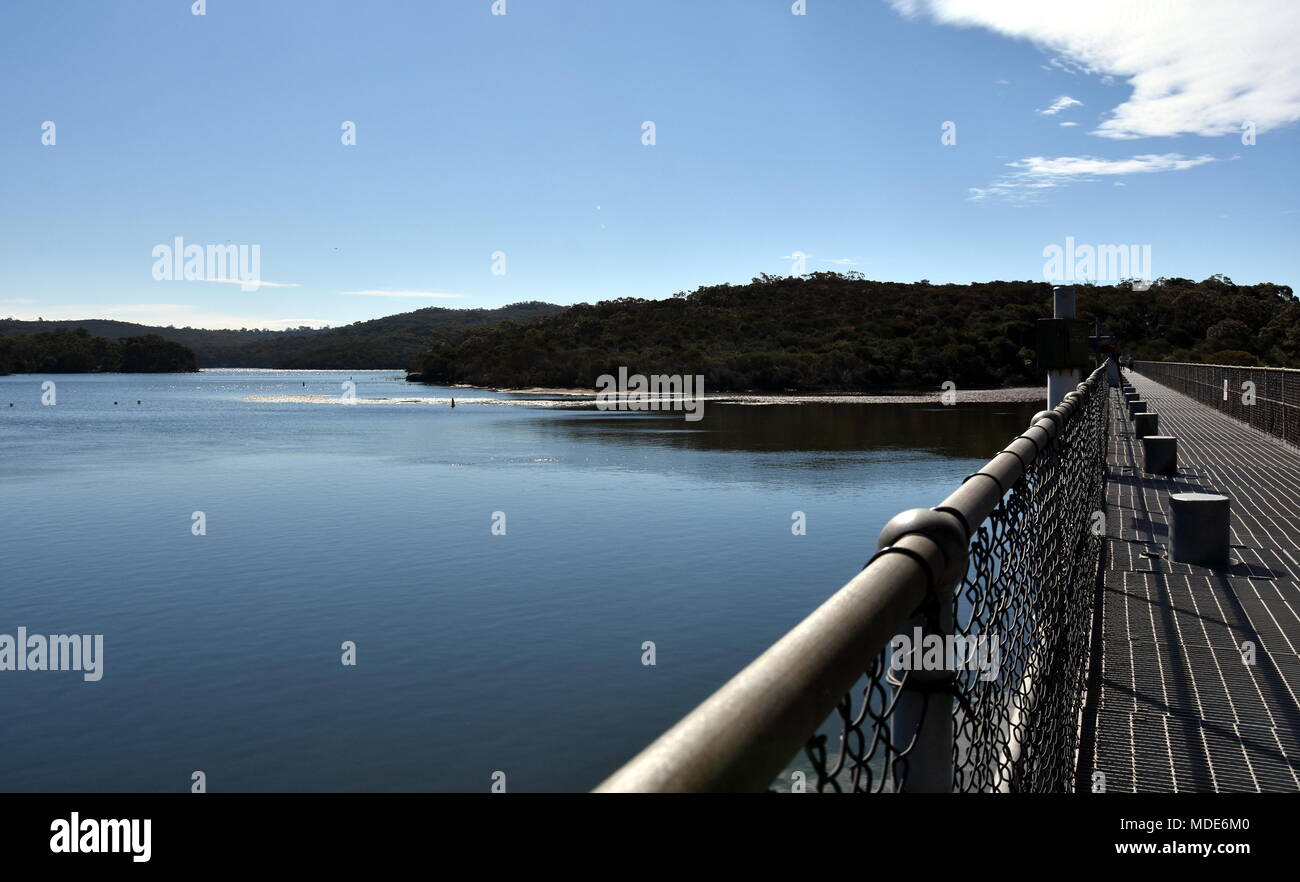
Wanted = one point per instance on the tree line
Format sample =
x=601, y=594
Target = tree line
x=843, y=332
x=391, y=342
x=819, y=332
x=79, y=352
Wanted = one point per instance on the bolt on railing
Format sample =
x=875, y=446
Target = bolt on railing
x=1009, y=559
x=1263, y=397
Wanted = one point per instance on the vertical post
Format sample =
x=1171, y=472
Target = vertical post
x=1283, y=410
x=922, y=722
x=921, y=725
x=1061, y=381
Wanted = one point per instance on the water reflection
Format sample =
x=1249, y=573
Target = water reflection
x=373, y=523
x=961, y=431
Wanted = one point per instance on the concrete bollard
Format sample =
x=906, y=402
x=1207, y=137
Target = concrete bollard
x=1160, y=454
x=1200, y=525
x=1131, y=396
x=1136, y=406
x=1146, y=424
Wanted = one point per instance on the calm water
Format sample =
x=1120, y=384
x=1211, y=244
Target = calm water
x=371, y=523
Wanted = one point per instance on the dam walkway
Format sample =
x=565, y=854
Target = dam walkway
x=1199, y=670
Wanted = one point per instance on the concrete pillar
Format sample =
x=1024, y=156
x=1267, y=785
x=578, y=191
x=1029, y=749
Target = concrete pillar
x=1136, y=406
x=1160, y=454
x=1061, y=382
x=1200, y=525
x=1145, y=424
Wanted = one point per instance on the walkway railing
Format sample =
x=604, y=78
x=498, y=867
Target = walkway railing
x=1270, y=403
x=1000, y=580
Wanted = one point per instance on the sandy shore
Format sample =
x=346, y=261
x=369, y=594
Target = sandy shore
x=416, y=399
x=586, y=398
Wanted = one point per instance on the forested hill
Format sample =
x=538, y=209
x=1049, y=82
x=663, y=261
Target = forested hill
x=395, y=341
x=79, y=352
x=831, y=331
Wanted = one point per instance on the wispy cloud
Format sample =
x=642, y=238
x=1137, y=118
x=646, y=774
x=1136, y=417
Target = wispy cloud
x=424, y=294
x=1201, y=67
x=1068, y=124
x=1034, y=174
x=837, y=261
x=1064, y=64
x=1060, y=104
x=259, y=283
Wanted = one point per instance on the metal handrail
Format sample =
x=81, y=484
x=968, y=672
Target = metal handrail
x=742, y=736
x=1202, y=364
x=1274, y=408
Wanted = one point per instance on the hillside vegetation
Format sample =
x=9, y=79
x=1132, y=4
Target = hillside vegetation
x=395, y=341
x=831, y=331
x=79, y=352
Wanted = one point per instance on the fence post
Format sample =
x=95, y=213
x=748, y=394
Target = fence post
x=921, y=726
x=1286, y=422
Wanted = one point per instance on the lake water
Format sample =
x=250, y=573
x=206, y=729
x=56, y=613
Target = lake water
x=475, y=652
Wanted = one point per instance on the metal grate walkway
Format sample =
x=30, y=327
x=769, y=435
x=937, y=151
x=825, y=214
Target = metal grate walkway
x=1178, y=709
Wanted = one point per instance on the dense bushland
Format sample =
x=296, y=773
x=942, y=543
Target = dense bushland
x=830, y=331
x=79, y=352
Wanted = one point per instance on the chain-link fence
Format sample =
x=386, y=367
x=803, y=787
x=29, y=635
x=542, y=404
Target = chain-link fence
x=1266, y=398
x=958, y=656
x=1020, y=649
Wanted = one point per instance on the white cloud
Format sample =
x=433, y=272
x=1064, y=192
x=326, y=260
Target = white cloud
x=257, y=282
x=1199, y=67
x=377, y=293
x=1035, y=174
x=1064, y=64
x=1068, y=124
x=1060, y=104
x=838, y=261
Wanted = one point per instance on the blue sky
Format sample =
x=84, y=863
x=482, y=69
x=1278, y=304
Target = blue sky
x=521, y=133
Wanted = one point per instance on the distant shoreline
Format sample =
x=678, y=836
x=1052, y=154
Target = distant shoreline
x=1007, y=395
x=554, y=397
